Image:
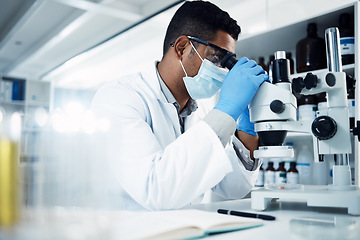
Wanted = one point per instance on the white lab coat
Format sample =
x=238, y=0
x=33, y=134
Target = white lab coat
x=154, y=166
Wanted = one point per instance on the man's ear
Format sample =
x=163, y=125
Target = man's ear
x=180, y=45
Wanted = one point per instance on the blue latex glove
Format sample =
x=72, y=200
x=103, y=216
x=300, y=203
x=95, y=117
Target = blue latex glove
x=244, y=124
x=240, y=86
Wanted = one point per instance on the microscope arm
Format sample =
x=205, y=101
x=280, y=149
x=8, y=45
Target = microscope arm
x=301, y=126
x=333, y=83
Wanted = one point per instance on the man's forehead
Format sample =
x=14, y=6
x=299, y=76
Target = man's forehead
x=224, y=40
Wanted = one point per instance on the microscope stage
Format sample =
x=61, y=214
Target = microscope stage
x=274, y=152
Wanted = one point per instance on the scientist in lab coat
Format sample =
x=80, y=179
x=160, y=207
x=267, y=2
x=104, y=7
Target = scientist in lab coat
x=168, y=145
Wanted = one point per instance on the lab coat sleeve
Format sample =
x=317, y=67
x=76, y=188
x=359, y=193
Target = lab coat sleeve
x=240, y=181
x=154, y=177
x=244, y=155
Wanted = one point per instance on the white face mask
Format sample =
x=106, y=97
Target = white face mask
x=208, y=80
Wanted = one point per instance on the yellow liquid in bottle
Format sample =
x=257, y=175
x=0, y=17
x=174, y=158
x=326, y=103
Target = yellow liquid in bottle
x=9, y=182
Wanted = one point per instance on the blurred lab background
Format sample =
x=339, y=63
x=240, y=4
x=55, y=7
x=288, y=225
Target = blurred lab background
x=55, y=54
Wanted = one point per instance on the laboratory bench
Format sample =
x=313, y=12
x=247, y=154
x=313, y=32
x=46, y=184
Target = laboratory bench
x=294, y=220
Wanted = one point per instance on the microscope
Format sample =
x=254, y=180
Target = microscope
x=273, y=110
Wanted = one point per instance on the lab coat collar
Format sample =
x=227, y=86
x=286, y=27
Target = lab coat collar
x=150, y=77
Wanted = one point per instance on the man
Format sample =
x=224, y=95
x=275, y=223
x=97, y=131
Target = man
x=167, y=148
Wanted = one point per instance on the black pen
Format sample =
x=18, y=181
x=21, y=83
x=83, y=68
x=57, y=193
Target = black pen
x=246, y=214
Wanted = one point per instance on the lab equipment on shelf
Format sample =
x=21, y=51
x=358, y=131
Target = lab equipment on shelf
x=304, y=164
x=347, y=40
x=292, y=175
x=269, y=175
x=310, y=51
x=260, y=178
x=273, y=110
x=280, y=174
x=10, y=130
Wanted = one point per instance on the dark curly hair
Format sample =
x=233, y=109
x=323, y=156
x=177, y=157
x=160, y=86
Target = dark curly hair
x=199, y=19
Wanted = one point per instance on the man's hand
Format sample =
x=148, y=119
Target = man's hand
x=244, y=124
x=240, y=86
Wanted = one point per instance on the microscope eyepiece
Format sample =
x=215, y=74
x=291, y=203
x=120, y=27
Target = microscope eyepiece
x=280, y=55
x=280, y=68
x=229, y=60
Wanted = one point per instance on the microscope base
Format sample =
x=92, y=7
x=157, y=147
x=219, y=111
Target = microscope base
x=315, y=196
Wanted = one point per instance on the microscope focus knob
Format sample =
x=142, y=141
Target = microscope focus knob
x=277, y=106
x=324, y=127
x=310, y=81
x=298, y=84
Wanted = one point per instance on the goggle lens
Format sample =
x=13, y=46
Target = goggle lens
x=214, y=55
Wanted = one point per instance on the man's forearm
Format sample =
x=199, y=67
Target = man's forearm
x=251, y=142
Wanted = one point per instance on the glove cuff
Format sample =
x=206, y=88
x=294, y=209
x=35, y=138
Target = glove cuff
x=228, y=110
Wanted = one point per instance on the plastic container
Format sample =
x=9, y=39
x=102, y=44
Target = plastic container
x=304, y=163
x=320, y=173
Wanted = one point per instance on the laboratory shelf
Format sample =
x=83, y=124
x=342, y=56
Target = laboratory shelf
x=29, y=157
x=33, y=95
x=38, y=104
x=286, y=37
x=349, y=69
x=13, y=103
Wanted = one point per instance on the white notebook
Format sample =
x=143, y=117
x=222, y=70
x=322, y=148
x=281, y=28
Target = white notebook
x=177, y=224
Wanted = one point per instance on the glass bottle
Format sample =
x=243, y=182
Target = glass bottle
x=292, y=64
x=307, y=107
x=260, y=178
x=350, y=84
x=280, y=175
x=262, y=63
x=10, y=129
x=304, y=164
x=310, y=51
x=269, y=66
x=347, y=40
x=269, y=175
x=292, y=175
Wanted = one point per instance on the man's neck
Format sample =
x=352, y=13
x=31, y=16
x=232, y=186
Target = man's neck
x=173, y=80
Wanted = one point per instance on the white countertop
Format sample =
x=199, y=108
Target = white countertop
x=90, y=225
x=344, y=226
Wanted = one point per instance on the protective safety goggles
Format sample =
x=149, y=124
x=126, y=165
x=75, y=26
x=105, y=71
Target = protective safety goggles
x=213, y=53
